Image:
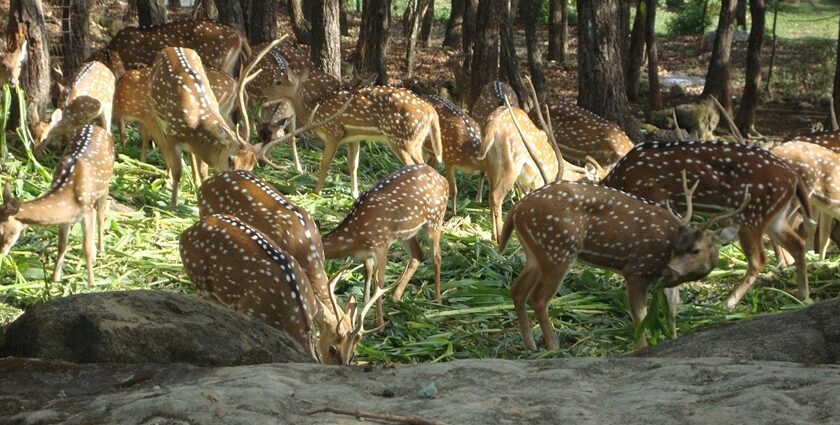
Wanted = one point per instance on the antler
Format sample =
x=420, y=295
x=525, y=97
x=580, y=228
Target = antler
x=246, y=78
x=525, y=142
x=723, y=216
x=359, y=330
x=262, y=155
x=689, y=193
x=547, y=127
x=331, y=289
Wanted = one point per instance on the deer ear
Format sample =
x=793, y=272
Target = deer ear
x=726, y=235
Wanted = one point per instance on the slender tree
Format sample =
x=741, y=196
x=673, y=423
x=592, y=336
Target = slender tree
x=530, y=13
x=836, y=92
x=452, y=36
x=262, y=26
x=558, y=30
x=151, y=12
x=298, y=12
x=426, y=29
x=230, y=13
x=468, y=39
x=74, y=34
x=372, y=45
x=600, y=75
x=35, y=75
x=741, y=14
x=650, y=40
x=745, y=119
x=718, y=79
x=485, y=52
x=343, y=21
x=509, y=60
x=636, y=53
x=325, y=37
x=414, y=22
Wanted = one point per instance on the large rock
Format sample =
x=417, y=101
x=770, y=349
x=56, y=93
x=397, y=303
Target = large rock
x=810, y=335
x=699, y=118
x=146, y=327
x=558, y=391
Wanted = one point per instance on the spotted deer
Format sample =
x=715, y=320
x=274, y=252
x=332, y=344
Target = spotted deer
x=90, y=97
x=725, y=171
x=563, y=222
x=78, y=193
x=244, y=195
x=819, y=168
x=492, y=96
x=409, y=200
x=11, y=62
x=238, y=266
x=133, y=102
x=217, y=45
x=395, y=116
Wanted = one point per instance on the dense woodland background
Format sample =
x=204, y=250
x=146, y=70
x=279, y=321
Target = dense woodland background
x=771, y=63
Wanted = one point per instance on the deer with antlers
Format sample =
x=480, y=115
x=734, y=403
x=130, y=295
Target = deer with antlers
x=563, y=222
x=492, y=96
x=725, y=171
x=89, y=98
x=238, y=266
x=78, y=193
x=11, y=62
x=218, y=45
x=395, y=116
x=409, y=200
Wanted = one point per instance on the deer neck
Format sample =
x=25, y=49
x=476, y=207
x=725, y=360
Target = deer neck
x=311, y=93
x=55, y=207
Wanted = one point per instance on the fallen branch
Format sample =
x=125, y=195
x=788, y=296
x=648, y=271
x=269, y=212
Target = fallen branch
x=408, y=420
x=732, y=127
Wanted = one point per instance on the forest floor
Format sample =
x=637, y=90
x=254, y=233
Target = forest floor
x=476, y=319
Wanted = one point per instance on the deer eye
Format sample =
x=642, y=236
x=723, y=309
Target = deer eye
x=333, y=350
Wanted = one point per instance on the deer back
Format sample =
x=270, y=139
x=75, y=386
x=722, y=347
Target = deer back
x=826, y=139
x=218, y=45
x=818, y=166
x=492, y=96
x=581, y=133
x=725, y=171
x=460, y=133
x=409, y=200
x=240, y=267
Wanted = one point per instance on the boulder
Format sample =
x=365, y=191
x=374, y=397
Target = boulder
x=146, y=327
x=699, y=118
x=810, y=335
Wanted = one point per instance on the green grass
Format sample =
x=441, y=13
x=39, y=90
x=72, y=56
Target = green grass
x=477, y=320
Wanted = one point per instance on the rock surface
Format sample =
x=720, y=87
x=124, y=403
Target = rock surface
x=146, y=327
x=579, y=391
x=810, y=335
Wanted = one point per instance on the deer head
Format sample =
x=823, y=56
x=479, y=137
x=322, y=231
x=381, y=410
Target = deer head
x=10, y=227
x=12, y=61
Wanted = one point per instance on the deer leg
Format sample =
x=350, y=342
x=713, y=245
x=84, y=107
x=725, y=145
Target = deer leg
x=499, y=188
x=330, y=147
x=781, y=232
x=434, y=244
x=416, y=258
x=542, y=295
x=672, y=296
x=105, y=117
x=145, y=139
x=826, y=222
x=88, y=242
x=370, y=269
x=637, y=298
x=453, y=188
x=195, y=168
x=63, y=238
x=293, y=143
x=101, y=211
x=123, y=136
x=381, y=261
x=173, y=162
x=520, y=291
x=750, y=239
x=480, y=192
x=353, y=163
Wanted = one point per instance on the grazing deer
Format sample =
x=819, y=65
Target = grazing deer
x=216, y=44
x=581, y=133
x=492, y=96
x=409, y=200
x=235, y=264
x=133, y=102
x=563, y=222
x=90, y=97
x=11, y=62
x=392, y=115
x=725, y=170
x=79, y=192
x=819, y=168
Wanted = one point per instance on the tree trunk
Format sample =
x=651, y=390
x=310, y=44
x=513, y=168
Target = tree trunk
x=718, y=79
x=452, y=37
x=151, y=12
x=509, y=60
x=626, y=5
x=325, y=51
x=343, y=22
x=530, y=13
x=372, y=45
x=600, y=75
x=300, y=23
x=468, y=34
x=636, y=53
x=745, y=120
x=415, y=20
x=230, y=13
x=741, y=14
x=426, y=29
x=35, y=75
x=768, y=85
x=74, y=34
x=485, y=53
x=650, y=39
x=558, y=30
x=262, y=26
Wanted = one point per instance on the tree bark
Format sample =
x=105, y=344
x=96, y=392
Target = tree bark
x=509, y=62
x=343, y=22
x=454, y=25
x=35, y=75
x=655, y=95
x=718, y=79
x=426, y=29
x=558, y=30
x=414, y=22
x=300, y=22
x=230, y=13
x=468, y=34
x=530, y=13
x=372, y=45
x=741, y=14
x=600, y=75
x=485, y=52
x=151, y=12
x=262, y=25
x=635, y=54
x=745, y=120
x=74, y=34
x=626, y=5
x=325, y=37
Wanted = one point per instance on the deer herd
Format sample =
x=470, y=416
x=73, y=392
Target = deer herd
x=614, y=206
